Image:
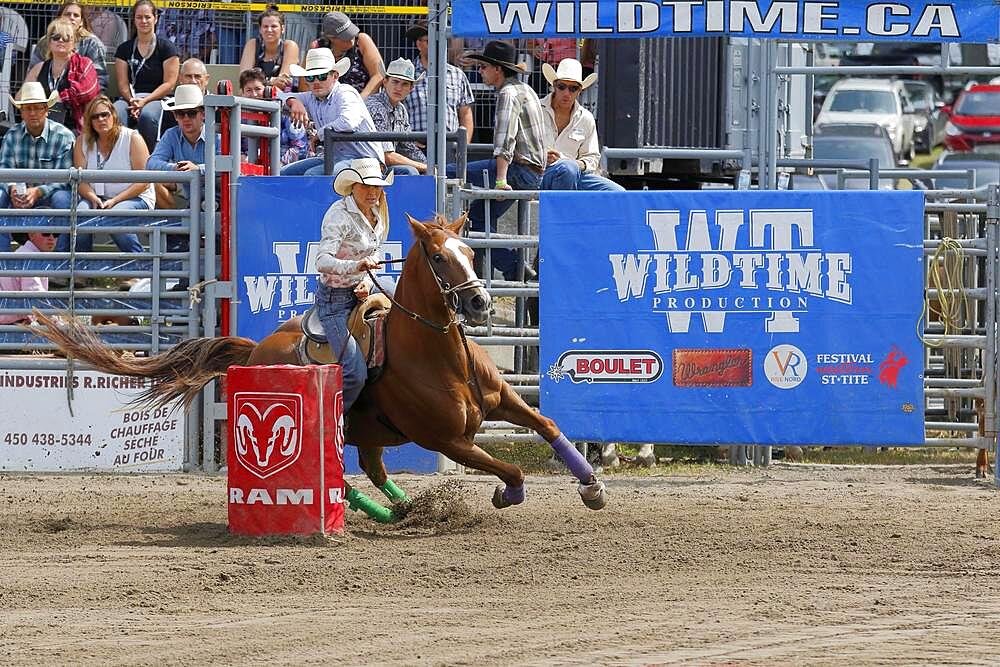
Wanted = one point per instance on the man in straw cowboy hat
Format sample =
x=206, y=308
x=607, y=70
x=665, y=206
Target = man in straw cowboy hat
x=458, y=97
x=182, y=148
x=518, y=144
x=354, y=229
x=390, y=115
x=573, y=152
x=35, y=143
x=330, y=104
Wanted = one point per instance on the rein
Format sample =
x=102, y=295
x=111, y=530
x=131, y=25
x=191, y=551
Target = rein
x=445, y=291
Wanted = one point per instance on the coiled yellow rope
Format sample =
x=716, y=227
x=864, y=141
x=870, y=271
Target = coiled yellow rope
x=944, y=274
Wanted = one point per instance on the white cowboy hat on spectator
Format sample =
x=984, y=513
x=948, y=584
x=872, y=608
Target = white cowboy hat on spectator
x=187, y=96
x=366, y=171
x=33, y=93
x=401, y=68
x=321, y=61
x=569, y=69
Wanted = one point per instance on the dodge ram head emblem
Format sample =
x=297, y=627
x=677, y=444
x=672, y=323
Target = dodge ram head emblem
x=268, y=431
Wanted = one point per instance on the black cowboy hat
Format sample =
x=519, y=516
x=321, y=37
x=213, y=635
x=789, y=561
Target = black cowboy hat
x=417, y=30
x=500, y=54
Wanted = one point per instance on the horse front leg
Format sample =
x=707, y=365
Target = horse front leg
x=513, y=409
x=370, y=460
x=471, y=456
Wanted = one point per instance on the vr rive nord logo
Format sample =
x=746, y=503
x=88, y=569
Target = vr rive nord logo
x=767, y=265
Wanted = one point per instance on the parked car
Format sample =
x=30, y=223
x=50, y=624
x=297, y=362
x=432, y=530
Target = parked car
x=928, y=118
x=986, y=168
x=838, y=147
x=881, y=101
x=975, y=118
x=853, y=130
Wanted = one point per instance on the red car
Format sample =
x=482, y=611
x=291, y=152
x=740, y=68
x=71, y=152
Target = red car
x=974, y=120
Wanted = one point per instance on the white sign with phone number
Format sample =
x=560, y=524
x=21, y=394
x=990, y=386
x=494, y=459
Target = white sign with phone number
x=38, y=432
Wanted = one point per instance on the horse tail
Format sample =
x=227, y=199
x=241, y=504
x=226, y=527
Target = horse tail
x=180, y=372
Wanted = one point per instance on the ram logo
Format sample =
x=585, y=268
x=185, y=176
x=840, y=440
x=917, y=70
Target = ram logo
x=268, y=431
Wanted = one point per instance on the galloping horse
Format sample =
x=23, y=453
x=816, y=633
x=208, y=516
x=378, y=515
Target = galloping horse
x=435, y=390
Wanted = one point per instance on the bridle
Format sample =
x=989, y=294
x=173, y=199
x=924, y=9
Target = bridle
x=449, y=295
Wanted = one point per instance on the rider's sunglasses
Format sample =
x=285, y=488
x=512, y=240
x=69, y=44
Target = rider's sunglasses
x=186, y=113
x=316, y=77
x=566, y=86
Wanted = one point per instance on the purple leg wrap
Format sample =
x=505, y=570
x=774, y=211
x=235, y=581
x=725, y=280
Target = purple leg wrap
x=573, y=459
x=513, y=494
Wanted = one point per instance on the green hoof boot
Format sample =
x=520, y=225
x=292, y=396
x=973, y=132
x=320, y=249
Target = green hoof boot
x=394, y=493
x=359, y=501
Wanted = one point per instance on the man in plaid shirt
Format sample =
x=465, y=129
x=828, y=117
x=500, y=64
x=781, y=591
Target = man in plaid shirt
x=35, y=143
x=458, y=91
x=518, y=146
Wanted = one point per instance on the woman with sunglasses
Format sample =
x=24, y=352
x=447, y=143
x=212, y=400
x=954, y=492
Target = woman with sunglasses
x=107, y=145
x=346, y=40
x=271, y=53
x=146, y=68
x=67, y=72
x=87, y=43
x=37, y=242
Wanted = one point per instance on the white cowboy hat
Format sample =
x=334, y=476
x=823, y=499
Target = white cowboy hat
x=366, y=170
x=320, y=61
x=401, y=68
x=32, y=92
x=569, y=69
x=187, y=96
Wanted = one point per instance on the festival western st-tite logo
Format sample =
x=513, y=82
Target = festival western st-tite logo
x=291, y=289
x=268, y=431
x=758, y=261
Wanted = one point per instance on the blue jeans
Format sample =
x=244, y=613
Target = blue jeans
x=334, y=305
x=405, y=170
x=125, y=242
x=519, y=177
x=311, y=166
x=58, y=199
x=566, y=175
x=148, y=123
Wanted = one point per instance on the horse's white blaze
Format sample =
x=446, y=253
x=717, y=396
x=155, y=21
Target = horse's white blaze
x=455, y=246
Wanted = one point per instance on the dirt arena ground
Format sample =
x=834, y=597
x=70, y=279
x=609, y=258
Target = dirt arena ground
x=789, y=566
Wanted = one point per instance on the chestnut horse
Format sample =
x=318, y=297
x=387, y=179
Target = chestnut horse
x=436, y=388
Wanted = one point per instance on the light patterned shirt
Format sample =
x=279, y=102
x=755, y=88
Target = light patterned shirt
x=347, y=238
x=458, y=94
x=21, y=284
x=578, y=140
x=520, y=127
x=53, y=149
x=389, y=118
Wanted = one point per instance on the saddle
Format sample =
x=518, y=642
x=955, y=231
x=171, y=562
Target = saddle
x=366, y=324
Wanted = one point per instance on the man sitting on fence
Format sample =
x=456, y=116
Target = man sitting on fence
x=390, y=115
x=330, y=104
x=518, y=146
x=34, y=143
x=37, y=242
x=573, y=151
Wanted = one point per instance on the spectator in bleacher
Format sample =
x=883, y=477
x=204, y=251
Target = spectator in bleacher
x=389, y=115
x=331, y=104
x=573, y=153
x=87, y=43
x=67, y=73
x=35, y=143
x=297, y=142
x=107, y=144
x=193, y=71
x=182, y=148
x=270, y=52
x=458, y=91
x=192, y=31
x=146, y=69
x=37, y=242
x=518, y=160
x=346, y=40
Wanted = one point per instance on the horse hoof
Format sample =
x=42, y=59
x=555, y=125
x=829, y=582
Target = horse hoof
x=500, y=499
x=594, y=496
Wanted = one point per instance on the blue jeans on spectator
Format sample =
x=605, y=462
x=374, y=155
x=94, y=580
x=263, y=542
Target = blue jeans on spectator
x=148, y=123
x=311, y=166
x=566, y=175
x=334, y=305
x=405, y=170
x=519, y=177
x=58, y=199
x=125, y=242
